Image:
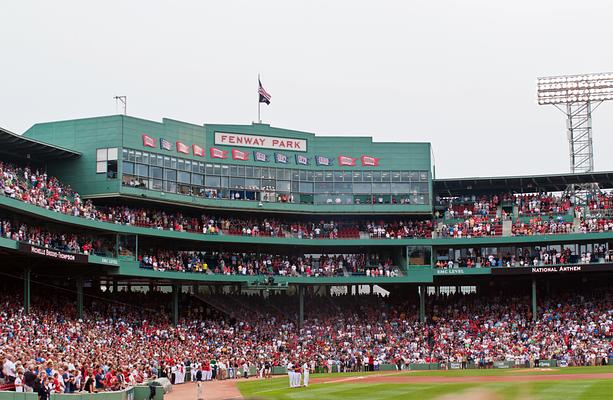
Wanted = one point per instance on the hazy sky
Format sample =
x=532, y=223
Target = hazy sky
x=459, y=74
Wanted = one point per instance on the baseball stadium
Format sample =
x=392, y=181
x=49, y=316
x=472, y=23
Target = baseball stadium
x=152, y=260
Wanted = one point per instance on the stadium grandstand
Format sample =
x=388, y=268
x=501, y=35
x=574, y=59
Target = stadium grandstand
x=134, y=249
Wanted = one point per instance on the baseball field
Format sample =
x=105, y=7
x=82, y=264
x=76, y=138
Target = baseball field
x=492, y=384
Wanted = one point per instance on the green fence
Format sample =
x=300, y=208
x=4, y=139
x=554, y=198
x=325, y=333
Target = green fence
x=128, y=394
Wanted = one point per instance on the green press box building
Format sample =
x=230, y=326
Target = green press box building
x=240, y=166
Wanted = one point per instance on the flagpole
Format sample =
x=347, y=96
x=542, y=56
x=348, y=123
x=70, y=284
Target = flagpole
x=259, y=119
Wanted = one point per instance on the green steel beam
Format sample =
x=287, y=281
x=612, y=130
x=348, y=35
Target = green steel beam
x=27, y=280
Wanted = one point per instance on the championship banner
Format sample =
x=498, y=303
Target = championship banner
x=240, y=155
x=323, y=160
x=280, y=158
x=218, y=153
x=259, y=156
x=302, y=160
x=165, y=144
x=346, y=161
x=53, y=254
x=182, y=148
x=198, y=151
x=369, y=161
x=148, y=141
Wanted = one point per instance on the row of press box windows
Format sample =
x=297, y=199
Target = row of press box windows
x=235, y=182
x=137, y=160
x=276, y=191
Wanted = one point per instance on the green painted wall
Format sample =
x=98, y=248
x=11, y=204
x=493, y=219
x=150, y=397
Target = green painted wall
x=86, y=135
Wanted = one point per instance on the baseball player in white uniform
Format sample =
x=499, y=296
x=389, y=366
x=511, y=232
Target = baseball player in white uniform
x=305, y=373
x=290, y=373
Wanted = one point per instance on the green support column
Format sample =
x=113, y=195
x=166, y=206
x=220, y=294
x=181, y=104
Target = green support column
x=301, y=306
x=533, y=299
x=79, y=297
x=115, y=288
x=176, y=289
x=422, y=303
x=27, y=276
x=136, y=247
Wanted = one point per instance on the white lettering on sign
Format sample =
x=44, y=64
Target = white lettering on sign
x=261, y=142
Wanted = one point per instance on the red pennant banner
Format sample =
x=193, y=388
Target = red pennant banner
x=370, y=161
x=182, y=148
x=198, y=151
x=240, y=155
x=218, y=153
x=347, y=161
x=148, y=141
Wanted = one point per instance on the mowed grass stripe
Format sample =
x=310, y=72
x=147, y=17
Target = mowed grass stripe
x=511, y=372
x=277, y=388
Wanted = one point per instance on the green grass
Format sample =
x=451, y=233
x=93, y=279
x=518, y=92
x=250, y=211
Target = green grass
x=276, y=389
x=513, y=372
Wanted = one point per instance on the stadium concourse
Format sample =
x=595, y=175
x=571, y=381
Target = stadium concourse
x=135, y=250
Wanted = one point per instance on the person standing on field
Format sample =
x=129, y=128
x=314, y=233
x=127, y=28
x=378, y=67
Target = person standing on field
x=305, y=373
x=290, y=373
x=297, y=375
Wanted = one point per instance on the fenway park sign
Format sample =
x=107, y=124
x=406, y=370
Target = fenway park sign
x=53, y=254
x=553, y=269
x=262, y=142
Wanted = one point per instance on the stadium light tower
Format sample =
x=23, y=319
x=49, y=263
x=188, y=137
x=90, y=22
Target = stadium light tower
x=577, y=96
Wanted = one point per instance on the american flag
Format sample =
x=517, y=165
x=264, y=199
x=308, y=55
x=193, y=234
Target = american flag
x=264, y=96
x=165, y=144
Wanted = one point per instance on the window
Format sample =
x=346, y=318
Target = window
x=183, y=177
x=142, y=170
x=306, y=187
x=197, y=179
x=170, y=175
x=106, y=162
x=211, y=181
x=324, y=187
x=128, y=168
x=283, y=186
x=155, y=172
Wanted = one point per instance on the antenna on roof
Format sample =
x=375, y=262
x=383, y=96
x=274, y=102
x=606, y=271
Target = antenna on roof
x=124, y=101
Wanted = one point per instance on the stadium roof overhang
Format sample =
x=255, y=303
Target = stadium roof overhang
x=519, y=184
x=17, y=146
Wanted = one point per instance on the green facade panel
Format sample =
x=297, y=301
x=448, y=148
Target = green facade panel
x=124, y=132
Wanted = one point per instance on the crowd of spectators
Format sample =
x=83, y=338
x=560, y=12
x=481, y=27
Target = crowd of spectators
x=529, y=258
x=267, y=264
x=56, y=240
x=473, y=226
x=479, y=216
x=124, y=339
